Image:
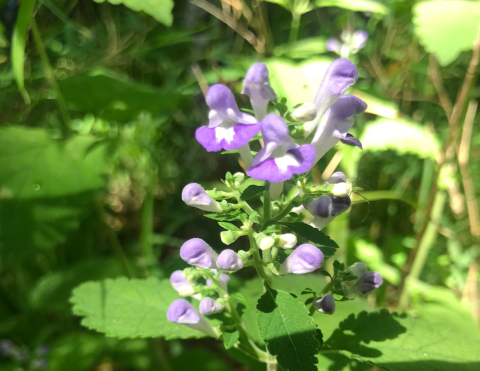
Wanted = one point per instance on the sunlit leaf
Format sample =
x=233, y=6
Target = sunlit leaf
x=161, y=10
x=355, y=5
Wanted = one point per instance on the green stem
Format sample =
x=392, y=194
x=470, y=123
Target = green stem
x=243, y=204
x=285, y=211
x=267, y=205
x=259, y=264
x=51, y=77
x=294, y=28
x=324, y=291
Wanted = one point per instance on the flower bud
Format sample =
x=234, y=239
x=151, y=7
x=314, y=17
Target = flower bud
x=182, y=312
x=209, y=306
x=228, y=260
x=287, y=241
x=369, y=281
x=224, y=278
x=194, y=195
x=325, y=305
x=305, y=258
x=337, y=177
x=266, y=243
x=342, y=189
x=180, y=283
x=306, y=112
x=197, y=253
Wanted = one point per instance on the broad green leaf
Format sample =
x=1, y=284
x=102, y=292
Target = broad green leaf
x=19, y=41
x=399, y=135
x=115, y=97
x=355, y=5
x=252, y=191
x=126, y=308
x=312, y=234
x=230, y=338
x=434, y=341
x=288, y=330
x=161, y=10
x=447, y=28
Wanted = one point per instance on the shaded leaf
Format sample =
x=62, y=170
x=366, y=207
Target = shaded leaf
x=312, y=234
x=252, y=191
x=230, y=338
x=229, y=226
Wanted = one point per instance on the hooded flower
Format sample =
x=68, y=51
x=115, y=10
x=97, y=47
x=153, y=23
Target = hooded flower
x=182, y=312
x=209, y=306
x=325, y=305
x=336, y=123
x=228, y=128
x=196, y=252
x=257, y=86
x=326, y=208
x=305, y=258
x=194, y=195
x=281, y=157
x=228, y=260
x=339, y=77
x=369, y=281
x=182, y=285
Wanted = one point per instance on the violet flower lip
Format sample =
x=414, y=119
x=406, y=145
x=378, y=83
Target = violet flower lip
x=198, y=253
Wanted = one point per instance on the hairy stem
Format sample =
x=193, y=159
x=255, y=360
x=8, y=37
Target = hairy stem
x=267, y=205
x=294, y=28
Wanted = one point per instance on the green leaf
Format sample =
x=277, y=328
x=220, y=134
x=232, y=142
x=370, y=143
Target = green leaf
x=125, y=308
x=252, y=191
x=19, y=40
x=355, y=5
x=231, y=216
x=446, y=28
x=230, y=338
x=288, y=330
x=113, y=96
x=312, y=234
x=229, y=226
x=161, y=10
x=434, y=341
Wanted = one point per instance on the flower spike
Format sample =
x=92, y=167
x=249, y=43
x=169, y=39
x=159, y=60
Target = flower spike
x=209, y=306
x=257, y=86
x=194, y=195
x=182, y=312
x=339, y=77
x=228, y=260
x=196, y=252
x=305, y=258
x=325, y=305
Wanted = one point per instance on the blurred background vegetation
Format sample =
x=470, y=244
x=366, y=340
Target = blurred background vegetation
x=99, y=103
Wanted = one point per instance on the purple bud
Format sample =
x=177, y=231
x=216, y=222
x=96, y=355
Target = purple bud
x=325, y=305
x=337, y=177
x=180, y=283
x=6, y=347
x=305, y=258
x=182, y=312
x=224, y=278
x=369, y=281
x=194, y=195
x=257, y=86
x=339, y=77
x=333, y=45
x=209, y=306
x=228, y=260
x=360, y=38
x=326, y=208
x=197, y=253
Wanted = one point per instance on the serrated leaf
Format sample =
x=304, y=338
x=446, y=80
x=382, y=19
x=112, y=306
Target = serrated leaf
x=312, y=234
x=446, y=28
x=161, y=10
x=252, y=191
x=435, y=341
x=288, y=330
x=231, y=216
x=230, y=338
x=229, y=226
x=126, y=308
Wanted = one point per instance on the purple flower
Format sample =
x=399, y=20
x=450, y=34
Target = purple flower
x=359, y=39
x=281, y=157
x=182, y=312
x=228, y=260
x=369, y=281
x=180, y=283
x=339, y=77
x=304, y=259
x=228, y=128
x=325, y=305
x=224, y=278
x=326, y=208
x=333, y=45
x=196, y=252
x=337, y=177
x=257, y=86
x=194, y=195
x=209, y=306
x=336, y=123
